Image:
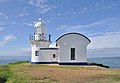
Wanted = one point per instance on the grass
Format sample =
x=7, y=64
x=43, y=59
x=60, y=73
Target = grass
x=5, y=73
x=24, y=72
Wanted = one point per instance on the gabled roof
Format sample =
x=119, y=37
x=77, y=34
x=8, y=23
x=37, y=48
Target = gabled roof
x=73, y=33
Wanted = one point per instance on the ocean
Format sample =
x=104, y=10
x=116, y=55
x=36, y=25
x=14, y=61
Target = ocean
x=12, y=59
x=112, y=62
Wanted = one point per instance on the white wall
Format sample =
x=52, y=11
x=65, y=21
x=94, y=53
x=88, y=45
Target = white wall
x=41, y=44
x=35, y=58
x=44, y=56
x=47, y=55
x=73, y=41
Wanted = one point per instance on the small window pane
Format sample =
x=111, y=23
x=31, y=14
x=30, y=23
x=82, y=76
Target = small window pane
x=54, y=55
x=36, y=53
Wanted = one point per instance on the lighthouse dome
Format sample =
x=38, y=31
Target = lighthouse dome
x=40, y=27
x=39, y=23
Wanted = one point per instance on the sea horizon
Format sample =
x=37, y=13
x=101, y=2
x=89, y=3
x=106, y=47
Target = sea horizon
x=112, y=62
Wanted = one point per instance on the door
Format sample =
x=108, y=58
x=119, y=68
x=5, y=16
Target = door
x=72, y=53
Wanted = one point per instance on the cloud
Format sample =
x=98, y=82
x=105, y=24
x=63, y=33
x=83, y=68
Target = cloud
x=3, y=21
x=7, y=38
x=24, y=12
x=102, y=26
x=108, y=40
x=29, y=24
x=42, y=6
x=104, y=52
x=82, y=9
x=3, y=16
x=27, y=49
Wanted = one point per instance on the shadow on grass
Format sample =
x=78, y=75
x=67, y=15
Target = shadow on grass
x=101, y=65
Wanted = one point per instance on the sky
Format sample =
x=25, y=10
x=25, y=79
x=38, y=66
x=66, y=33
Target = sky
x=99, y=20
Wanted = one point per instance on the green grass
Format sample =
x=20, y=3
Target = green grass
x=5, y=73
x=19, y=62
x=18, y=73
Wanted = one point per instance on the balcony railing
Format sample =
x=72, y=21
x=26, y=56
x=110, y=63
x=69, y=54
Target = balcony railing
x=46, y=37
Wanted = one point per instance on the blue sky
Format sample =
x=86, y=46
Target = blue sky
x=99, y=20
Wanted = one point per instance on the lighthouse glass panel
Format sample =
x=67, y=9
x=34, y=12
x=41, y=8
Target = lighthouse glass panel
x=72, y=53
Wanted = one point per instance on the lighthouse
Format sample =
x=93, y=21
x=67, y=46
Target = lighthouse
x=39, y=40
x=71, y=48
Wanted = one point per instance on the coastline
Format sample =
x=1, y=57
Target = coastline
x=112, y=62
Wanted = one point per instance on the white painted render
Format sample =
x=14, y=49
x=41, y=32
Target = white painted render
x=40, y=27
x=47, y=55
x=69, y=41
x=44, y=55
x=40, y=43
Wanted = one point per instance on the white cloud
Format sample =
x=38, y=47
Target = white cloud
x=24, y=12
x=17, y=52
x=104, y=52
x=3, y=16
x=42, y=6
x=7, y=38
x=108, y=40
x=3, y=21
x=82, y=9
x=98, y=27
x=29, y=24
x=28, y=49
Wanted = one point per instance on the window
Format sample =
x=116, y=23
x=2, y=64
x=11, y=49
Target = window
x=72, y=53
x=54, y=56
x=36, y=53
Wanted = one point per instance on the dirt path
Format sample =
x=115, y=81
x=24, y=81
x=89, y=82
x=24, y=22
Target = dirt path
x=63, y=74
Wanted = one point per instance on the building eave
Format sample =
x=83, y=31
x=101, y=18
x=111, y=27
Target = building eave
x=73, y=33
x=49, y=48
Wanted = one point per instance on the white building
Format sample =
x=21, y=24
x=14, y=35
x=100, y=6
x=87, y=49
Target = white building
x=71, y=48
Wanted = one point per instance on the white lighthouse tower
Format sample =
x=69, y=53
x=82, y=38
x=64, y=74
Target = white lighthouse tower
x=39, y=40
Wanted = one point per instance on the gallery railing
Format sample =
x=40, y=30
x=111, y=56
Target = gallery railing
x=46, y=37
